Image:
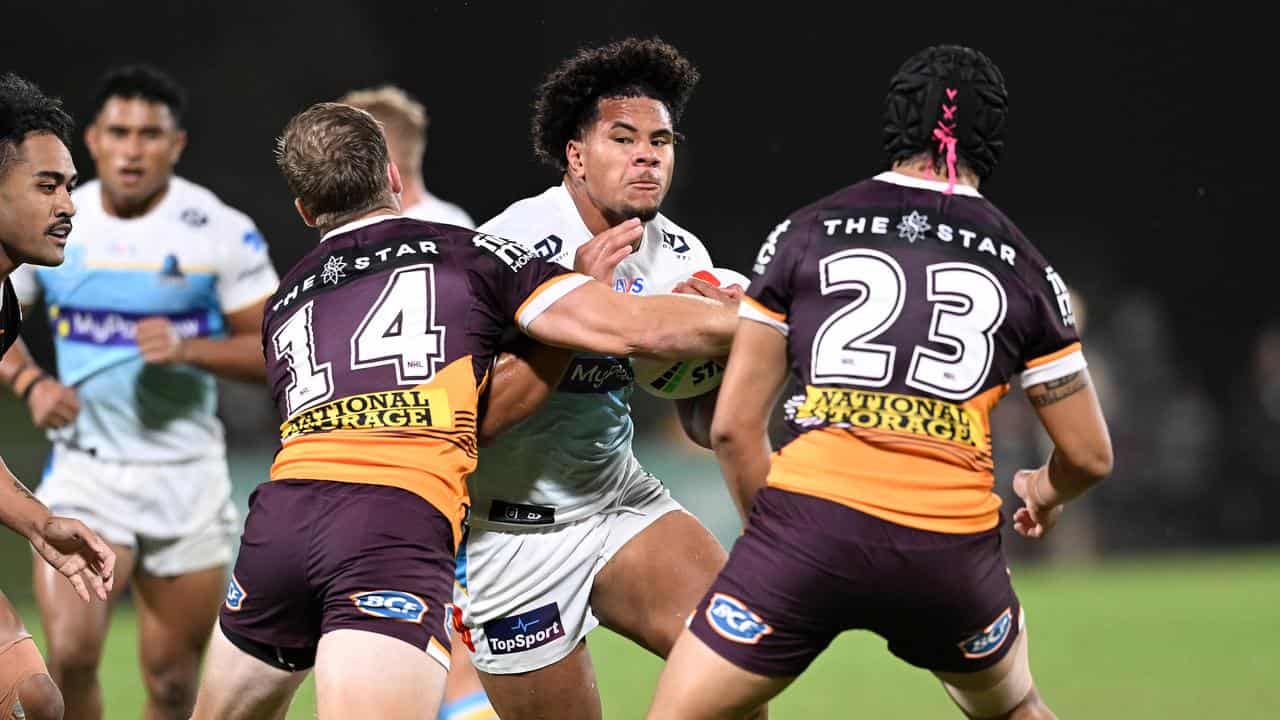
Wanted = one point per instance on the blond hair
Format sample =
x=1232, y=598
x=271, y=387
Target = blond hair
x=334, y=158
x=403, y=118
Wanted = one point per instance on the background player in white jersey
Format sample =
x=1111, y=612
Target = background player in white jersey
x=164, y=286
x=36, y=177
x=567, y=529
x=404, y=123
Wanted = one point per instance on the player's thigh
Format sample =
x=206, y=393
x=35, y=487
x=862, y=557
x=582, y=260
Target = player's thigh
x=648, y=588
x=564, y=689
x=998, y=690
x=238, y=686
x=175, y=617
x=368, y=674
x=698, y=684
x=75, y=631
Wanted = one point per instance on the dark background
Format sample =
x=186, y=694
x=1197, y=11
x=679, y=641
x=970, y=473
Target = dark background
x=1139, y=138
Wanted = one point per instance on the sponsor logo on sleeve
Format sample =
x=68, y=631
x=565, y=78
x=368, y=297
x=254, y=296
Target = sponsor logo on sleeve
x=235, y=595
x=511, y=253
x=675, y=242
x=1062, y=295
x=517, y=514
x=990, y=638
x=391, y=605
x=769, y=248
x=548, y=247
x=194, y=217
x=733, y=620
x=526, y=631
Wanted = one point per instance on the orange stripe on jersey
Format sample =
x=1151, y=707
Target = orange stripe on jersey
x=568, y=275
x=755, y=304
x=918, y=462
x=1046, y=359
x=420, y=439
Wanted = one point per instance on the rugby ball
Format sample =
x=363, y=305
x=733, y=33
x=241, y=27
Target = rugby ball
x=686, y=378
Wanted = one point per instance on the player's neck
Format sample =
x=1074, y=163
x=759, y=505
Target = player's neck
x=922, y=170
x=7, y=264
x=126, y=210
x=377, y=212
x=592, y=216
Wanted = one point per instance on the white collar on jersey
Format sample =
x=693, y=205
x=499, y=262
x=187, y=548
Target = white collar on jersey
x=361, y=223
x=898, y=178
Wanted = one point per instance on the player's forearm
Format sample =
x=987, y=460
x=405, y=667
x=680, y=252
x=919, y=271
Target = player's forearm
x=743, y=453
x=19, y=509
x=1067, y=479
x=520, y=384
x=680, y=326
x=695, y=417
x=238, y=357
x=18, y=370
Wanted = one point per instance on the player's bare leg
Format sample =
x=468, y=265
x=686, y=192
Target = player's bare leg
x=175, y=617
x=75, y=633
x=1004, y=691
x=24, y=679
x=642, y=595
x=364, y=674
x=238, y=686
x=698, y=684
x=564, y=690
x=463, y=693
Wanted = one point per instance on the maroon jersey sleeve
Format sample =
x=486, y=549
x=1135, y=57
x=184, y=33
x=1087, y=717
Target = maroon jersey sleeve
x=1051, y=343
x=769, y=298
x=10, y=316
x=512, y=284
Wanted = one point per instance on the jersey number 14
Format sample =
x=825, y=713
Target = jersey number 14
x=399, y=330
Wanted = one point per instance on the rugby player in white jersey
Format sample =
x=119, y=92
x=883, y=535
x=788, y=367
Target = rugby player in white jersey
x=404, y=124
x=567, y=530
x=36, y=177
x=163, y=288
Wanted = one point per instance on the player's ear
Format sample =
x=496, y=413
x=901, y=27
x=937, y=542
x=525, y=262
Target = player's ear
x=307, y=218
x=393, y=177
x=574, y=163
x=179, y=144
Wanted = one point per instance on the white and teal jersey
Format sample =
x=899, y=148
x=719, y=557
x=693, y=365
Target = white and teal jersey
x=191, y=259
x=573, y=456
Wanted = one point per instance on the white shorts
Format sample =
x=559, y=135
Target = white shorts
x=525, y=595
x=178, y=516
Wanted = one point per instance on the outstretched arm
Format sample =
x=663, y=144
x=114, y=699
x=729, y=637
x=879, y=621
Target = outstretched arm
x=596, y=319
x=1069, y=410
x=71, y=548
x=740, y=430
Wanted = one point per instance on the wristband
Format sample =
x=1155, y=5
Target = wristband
x=31, y=386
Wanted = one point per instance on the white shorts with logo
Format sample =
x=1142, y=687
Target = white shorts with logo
x=524, y=595
x=179, y=517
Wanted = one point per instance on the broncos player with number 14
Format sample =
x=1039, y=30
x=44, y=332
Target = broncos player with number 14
x=905, y=305
x=36, y=178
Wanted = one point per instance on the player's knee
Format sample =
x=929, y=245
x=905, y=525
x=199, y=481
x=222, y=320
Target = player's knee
x=70, y=669
x=172, y=690
x=40, y=698
x=1032, y=708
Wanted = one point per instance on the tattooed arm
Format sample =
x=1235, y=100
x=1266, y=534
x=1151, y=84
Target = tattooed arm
x=70, y=547
x=1068, y=409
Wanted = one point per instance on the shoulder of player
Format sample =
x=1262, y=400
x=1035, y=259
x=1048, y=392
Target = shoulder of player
x=199, y=208
x=527, y=220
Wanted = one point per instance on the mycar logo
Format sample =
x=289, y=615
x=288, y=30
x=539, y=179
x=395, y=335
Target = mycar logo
x=526, y=631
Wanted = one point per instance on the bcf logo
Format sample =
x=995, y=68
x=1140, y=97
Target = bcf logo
x=391, y=604
x=731, y=618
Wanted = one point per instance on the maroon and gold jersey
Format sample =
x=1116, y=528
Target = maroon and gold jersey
x=10, y=316
x=907, y=313
x=379, y=342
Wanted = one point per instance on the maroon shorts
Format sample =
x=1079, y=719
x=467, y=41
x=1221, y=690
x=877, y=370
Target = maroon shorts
x=318, y=556
x=807, y=569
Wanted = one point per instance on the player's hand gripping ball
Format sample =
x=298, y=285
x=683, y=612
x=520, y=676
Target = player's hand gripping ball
x=677, y=380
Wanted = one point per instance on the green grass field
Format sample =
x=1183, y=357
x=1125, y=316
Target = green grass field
x=1163, y=637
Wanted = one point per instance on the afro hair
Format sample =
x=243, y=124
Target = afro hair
x=568, y=100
